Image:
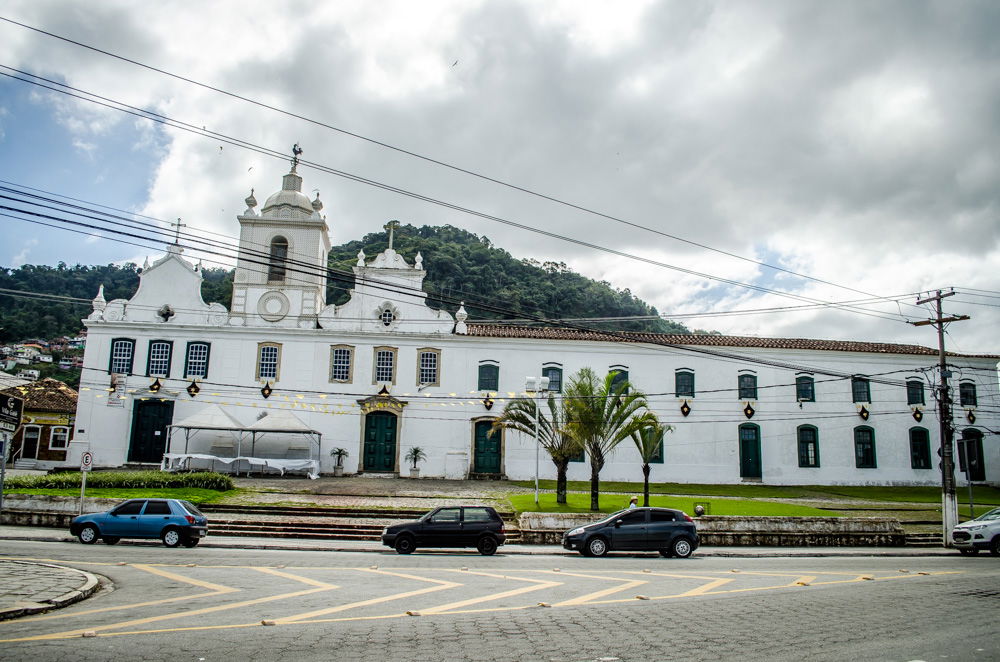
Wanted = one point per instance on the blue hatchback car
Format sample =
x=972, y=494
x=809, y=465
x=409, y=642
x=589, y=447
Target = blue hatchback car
x=173, y=521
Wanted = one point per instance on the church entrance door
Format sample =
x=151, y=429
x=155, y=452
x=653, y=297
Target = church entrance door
x=150, y=419
x=380, y=441
x=487, y=451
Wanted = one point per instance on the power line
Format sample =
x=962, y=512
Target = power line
x=427, y=159
x=176, y=124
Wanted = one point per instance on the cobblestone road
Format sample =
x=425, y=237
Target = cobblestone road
x=224, y=604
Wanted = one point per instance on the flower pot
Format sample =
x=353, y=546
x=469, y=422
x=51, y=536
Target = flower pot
x=414, y=472
x=338, y=470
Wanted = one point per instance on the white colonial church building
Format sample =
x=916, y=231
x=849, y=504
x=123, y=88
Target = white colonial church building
x=283, y=378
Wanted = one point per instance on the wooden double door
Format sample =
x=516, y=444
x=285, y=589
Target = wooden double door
x=380, y=441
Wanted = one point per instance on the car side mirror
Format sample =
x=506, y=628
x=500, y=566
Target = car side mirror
x=618, y=523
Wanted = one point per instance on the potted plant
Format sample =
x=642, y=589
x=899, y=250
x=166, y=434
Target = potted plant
x=414, y=455
x=340, y=454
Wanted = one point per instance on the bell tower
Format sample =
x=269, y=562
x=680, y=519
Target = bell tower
x=281, y=268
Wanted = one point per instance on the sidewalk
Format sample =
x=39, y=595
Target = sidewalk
x=38, y=534
x=29, y=587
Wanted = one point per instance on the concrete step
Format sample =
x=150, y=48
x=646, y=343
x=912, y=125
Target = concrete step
x=924, y=540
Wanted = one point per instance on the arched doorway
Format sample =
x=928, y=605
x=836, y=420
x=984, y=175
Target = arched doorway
x=380, y=441
x=486, y=448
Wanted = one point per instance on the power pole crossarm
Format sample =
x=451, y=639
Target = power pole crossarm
x=949, y=502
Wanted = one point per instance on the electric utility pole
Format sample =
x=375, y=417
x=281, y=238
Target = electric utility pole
x=949, y=502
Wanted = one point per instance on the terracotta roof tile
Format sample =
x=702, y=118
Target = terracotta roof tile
x=557, y=333
x=45, y=395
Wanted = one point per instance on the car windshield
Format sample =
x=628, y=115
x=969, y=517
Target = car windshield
x=612, y=516
x=990, y=515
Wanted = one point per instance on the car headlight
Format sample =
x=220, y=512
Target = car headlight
x=385, y=530
x=977, y=527
x=575, y=532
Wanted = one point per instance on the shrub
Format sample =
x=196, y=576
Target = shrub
x=207, y=480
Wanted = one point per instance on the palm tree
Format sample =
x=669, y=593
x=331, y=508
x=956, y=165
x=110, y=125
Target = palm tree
x=600, y=415
x=649, y=442
x=519, y=415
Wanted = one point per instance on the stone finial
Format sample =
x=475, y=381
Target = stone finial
x=251, y=201
x=317, y=205
x=418, y=263
x=461, y=316
x=145, y=265
x=100, y=303
x=361, y=258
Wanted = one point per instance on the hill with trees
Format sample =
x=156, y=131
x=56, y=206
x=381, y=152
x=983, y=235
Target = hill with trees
x=460, y=265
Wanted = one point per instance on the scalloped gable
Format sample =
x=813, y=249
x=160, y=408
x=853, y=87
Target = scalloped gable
x=169, y=292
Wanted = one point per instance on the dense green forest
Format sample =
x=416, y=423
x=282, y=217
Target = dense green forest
x=460, y=266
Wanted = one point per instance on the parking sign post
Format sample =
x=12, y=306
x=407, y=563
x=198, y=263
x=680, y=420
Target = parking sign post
x=86, y=462
x=10, y=419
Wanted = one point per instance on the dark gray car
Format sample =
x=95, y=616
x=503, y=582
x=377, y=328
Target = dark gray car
x=669, y=532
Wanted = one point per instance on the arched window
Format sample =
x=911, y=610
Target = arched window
x=747, y=386
x=489, y=377
x=805, y=389
x=920, y=448
x=808, y=446
x=864, y=447
x=278, y=259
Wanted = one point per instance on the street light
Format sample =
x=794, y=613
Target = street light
x=536, y=385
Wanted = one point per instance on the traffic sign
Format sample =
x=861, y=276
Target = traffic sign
x=10, y=412
x=86, y=461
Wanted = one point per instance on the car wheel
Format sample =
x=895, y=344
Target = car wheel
x=110, y=540
x=405, y=545
x=191, y=542
x=171, y=537
x=666, y=553
x=682, y=548
x=487, y=546
x=972, y=551
x=995, y=546
x=88, y=534
x=597, y=546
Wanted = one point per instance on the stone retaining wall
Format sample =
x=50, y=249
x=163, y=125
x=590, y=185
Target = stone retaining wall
x=547, y=528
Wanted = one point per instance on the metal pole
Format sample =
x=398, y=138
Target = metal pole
x=6, y=437
x=536, y=447
x=83, y=489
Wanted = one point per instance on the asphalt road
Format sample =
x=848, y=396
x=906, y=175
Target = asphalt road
x=225, y=604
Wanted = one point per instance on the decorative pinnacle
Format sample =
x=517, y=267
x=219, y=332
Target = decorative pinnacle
x=296, y=151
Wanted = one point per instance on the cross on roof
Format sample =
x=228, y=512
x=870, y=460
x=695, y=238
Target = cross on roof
x=177, y=232
x=390, y=227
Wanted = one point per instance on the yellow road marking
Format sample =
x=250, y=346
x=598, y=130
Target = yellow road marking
x=298, y=578
x=165, y=617
x=180, y=578
x=311, y=615
x=540, y=584
x=703, y=589
x=579, y=600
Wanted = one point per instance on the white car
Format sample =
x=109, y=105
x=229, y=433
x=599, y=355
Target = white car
x=980, y=533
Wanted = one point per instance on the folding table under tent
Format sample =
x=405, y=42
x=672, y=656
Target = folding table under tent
x=274, y=422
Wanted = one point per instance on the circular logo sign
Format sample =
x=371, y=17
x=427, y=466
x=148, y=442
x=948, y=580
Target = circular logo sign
x=86, y=460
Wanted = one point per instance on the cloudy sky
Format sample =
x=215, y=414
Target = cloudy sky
x=855, y=143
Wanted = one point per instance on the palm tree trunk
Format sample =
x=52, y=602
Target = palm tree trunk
x=595, y=487
x=561, y=468
x=645, y=484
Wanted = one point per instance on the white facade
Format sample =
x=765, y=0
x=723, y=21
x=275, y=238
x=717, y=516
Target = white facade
x=387, y=367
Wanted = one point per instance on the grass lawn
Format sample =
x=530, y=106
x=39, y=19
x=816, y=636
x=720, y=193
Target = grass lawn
x=982, y=495
x=192, y=494
x=580, y=503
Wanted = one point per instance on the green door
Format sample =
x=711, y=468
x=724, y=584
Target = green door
x=487, y=460
x=150, y=419
x=750, y=451
x=380, y=441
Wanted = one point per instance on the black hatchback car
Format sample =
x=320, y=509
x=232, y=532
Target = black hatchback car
x=669, y=532
x=449, y=526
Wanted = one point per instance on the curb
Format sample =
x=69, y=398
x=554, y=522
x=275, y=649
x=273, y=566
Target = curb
x=733, y=552
x=90, y=584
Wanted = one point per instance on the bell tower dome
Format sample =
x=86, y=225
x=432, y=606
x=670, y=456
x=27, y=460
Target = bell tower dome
x=281, y=268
